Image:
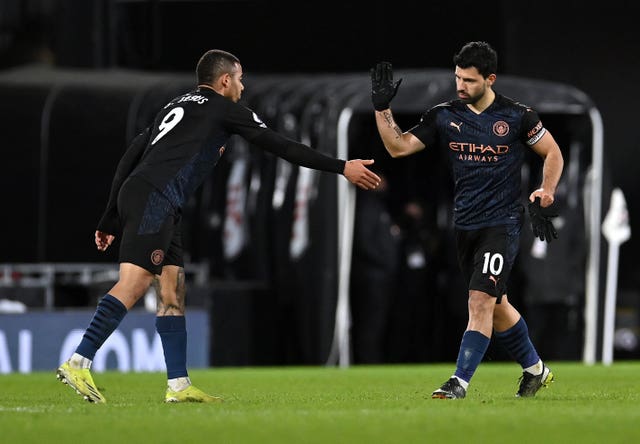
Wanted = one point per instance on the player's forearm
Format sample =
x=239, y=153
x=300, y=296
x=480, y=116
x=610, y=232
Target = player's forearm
x=390, y=133
x=127, y=163
x=298, y=153
x=552, y=170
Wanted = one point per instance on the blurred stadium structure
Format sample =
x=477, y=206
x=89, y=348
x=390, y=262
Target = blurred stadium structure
x=270, y=244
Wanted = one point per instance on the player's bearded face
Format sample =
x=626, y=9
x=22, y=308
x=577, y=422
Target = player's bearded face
x=470, y=85
x=472, y=95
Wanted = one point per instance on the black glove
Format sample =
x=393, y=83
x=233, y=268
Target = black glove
x=383, y=90
x=541, y=224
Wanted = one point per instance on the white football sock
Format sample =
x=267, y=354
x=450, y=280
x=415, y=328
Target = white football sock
x=178, y=384
x=79, y=361
x=535, y=369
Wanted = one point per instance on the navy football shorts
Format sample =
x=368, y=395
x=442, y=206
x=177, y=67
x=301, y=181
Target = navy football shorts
x=151, y=235
x=486, y=257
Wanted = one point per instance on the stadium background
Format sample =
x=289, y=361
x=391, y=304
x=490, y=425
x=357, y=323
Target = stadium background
x=593, y=49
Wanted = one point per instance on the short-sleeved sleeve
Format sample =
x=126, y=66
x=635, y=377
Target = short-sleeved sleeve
x=426, y=130
x=532, y=128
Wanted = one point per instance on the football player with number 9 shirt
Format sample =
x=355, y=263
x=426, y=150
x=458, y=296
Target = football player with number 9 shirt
x=155, y=178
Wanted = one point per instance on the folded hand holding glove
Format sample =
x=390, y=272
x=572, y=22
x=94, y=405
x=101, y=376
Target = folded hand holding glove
x=541, y=224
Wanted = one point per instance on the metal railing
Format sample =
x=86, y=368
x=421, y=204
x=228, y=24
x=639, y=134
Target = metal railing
x=47, y=275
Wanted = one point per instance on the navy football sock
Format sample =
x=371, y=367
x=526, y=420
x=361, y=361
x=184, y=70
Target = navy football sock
x=173, y=334
x=106, y=319
x=472, y=349
x=517, y=342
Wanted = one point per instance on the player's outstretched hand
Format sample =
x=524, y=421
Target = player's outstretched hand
x=541, y=224
x=103, y=240
x=358, y=174
x=383, y=90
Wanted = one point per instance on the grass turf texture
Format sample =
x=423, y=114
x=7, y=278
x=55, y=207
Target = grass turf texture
x=372, y=404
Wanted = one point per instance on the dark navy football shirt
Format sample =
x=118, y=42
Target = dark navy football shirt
x=486, y=152
x=185, y=142
x=187, y=139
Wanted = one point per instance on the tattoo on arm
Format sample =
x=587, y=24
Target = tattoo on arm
x=388, y=117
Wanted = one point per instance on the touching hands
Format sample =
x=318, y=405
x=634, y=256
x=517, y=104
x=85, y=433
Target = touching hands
x=358, y=174
x=383, y=90
x=103, y=240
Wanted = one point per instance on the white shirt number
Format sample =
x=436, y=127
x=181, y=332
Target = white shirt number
x=170, y=120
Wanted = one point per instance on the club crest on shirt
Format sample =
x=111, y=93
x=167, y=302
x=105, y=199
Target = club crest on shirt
x=501, y=128
x=157, y=256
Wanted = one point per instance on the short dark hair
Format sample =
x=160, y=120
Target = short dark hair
x=213, y=64
x=478, y=54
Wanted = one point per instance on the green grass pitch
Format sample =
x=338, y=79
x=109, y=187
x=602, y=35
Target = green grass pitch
x=360, y=404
